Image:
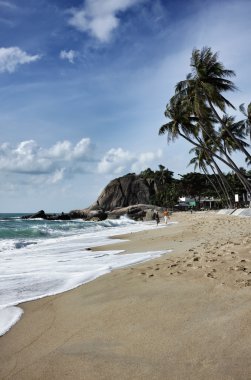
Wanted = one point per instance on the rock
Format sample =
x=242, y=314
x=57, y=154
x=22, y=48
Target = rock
x=149, y=215
x=62, y=216
x=77, y=214
x=136, y=212
x=96, y=215
x=40, y=214
x=89, y=213
x=125, y=191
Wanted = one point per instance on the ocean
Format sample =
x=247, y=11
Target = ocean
x=40, y=258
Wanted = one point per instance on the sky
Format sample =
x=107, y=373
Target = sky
x=84, y=85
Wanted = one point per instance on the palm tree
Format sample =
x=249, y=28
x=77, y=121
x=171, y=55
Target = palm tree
x=247, y=114
x=238, y=129
x=202, y=160
x=203, y=88
x=182, y=124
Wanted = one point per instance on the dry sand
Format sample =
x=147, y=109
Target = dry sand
x=184, y=316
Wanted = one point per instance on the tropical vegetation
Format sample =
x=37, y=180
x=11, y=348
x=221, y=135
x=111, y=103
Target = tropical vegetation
x=199, y=186
x=198, y=113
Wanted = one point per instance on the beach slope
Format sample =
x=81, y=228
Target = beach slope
x=185, y=315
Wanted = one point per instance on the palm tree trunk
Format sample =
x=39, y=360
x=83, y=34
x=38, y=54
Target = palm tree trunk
x=230, y=163
x=222, y=182
x=243, y=180
x=212, y=183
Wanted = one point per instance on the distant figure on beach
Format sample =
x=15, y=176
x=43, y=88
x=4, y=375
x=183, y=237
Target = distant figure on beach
x=157, y=217
x=166, y=215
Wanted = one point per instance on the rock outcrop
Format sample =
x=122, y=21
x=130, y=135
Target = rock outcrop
x=128, y=195
x=125, y=191
x=42, y=215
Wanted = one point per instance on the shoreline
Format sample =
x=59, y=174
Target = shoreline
x=185, y=314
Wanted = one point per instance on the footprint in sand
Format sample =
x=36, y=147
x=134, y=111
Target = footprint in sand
x=210, y=275
x=240, y=268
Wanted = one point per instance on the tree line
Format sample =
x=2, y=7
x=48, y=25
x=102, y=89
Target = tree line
x=196, y=185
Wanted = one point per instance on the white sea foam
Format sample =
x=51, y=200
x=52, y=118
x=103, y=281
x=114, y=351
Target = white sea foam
x=9, y=316
x=56, y=265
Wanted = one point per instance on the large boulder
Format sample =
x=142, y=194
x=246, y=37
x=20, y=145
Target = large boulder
x=125, y=191
x=136, y=212
x=90, y=214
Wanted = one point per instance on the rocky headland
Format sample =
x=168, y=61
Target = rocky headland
x=129, y=195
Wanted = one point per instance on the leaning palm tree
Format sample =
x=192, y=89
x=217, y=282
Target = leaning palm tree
x=202, y=161
x=204, y=88
x=238, y=129
x=247, y=114
x=182, y=124
x=226, y=145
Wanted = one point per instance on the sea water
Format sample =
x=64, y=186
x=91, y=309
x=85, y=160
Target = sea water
x=40, y=258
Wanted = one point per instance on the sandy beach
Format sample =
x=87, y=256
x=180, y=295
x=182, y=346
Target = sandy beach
x=185, y=315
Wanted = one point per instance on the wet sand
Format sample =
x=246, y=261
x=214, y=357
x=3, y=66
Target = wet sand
x=185, y=315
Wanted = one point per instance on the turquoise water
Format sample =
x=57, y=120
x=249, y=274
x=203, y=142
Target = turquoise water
x=18, y=230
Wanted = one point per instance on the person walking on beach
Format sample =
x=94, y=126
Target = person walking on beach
x=166, y=215
x=157, y=217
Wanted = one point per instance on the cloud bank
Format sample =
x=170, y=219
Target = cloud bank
x=64, y=160
x=99, y=18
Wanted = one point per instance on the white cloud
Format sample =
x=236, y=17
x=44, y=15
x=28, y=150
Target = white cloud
x=82, y=149
x=145, y=159
x=69, y=55
x=119, y=161
x=99, y=18
x=12, y=57
x=24, y=158
x=29, y=158
x=115, y=161
x=66, y=151
x=65, y=159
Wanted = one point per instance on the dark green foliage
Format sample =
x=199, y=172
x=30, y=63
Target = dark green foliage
x=197, y=112
x=195, y=185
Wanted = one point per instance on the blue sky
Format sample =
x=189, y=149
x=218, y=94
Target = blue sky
x=84, y=84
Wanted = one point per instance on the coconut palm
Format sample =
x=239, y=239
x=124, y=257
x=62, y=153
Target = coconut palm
x=204, y=87
x=182, y=124
x=238, y=129
x=247, y=114
x=201, y=161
